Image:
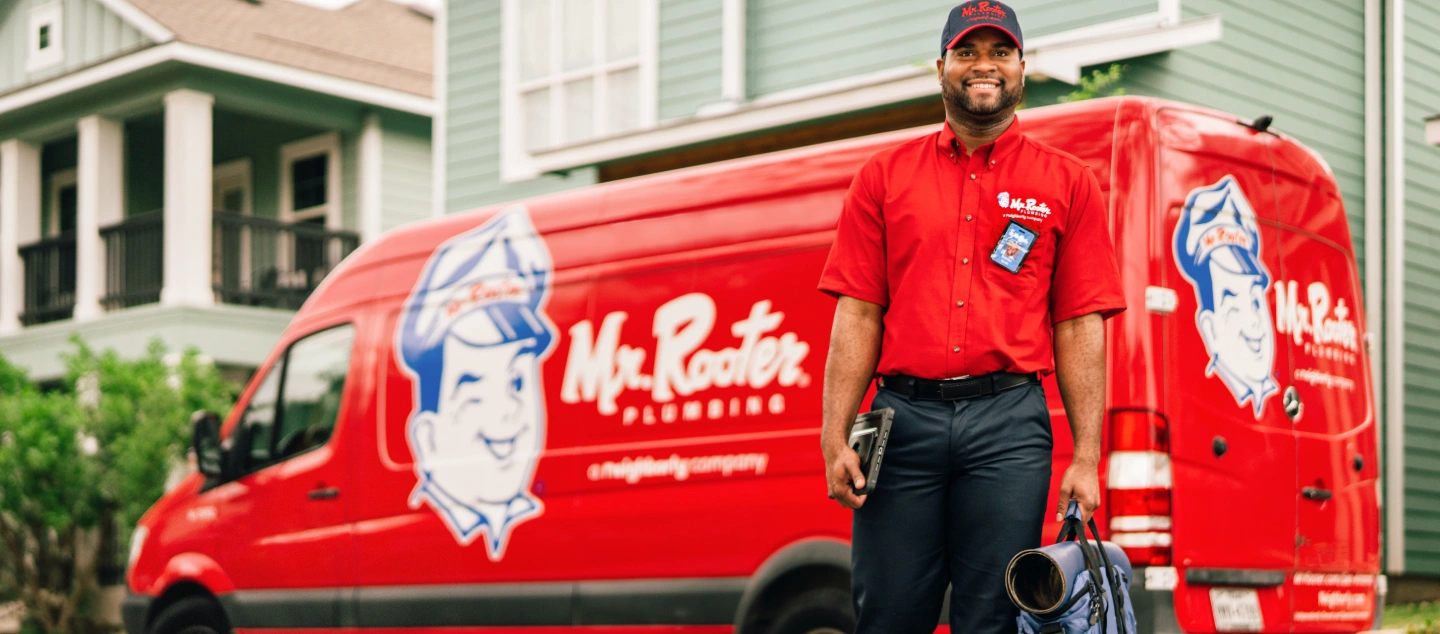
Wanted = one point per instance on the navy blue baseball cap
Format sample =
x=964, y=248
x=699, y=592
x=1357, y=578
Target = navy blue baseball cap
x=976, y=14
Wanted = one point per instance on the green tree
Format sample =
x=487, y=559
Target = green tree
x=80, y=464
x=1099, y=83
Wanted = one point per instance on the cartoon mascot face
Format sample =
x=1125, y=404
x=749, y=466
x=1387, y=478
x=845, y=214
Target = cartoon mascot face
x=1217, y=245
x=473, y=335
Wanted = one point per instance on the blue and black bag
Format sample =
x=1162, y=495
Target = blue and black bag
x=1072, y=586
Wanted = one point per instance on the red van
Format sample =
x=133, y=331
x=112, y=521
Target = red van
x=598, y=410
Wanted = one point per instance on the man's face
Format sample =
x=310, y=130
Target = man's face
x=983, y=75
x=1239, y=331
x=483, y=442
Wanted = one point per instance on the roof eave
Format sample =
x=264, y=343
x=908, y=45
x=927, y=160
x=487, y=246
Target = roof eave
x=353, y=90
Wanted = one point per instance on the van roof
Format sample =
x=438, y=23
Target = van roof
x=821, y=166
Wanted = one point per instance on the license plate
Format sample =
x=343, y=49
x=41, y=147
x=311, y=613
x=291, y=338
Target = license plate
x=1236, y=610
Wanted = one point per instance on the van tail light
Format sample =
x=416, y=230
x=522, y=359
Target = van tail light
x=1139, y=486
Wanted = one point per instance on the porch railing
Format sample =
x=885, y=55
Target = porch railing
x=265, y=262
x=134, y=260
x=255, y=261
x=49, y=279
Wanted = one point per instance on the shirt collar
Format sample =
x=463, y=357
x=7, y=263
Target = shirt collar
x=1008, y=141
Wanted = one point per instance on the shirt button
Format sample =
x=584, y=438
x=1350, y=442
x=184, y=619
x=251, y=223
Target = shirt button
x=960, y=304
x=957, y=348
x=992, y=162
x=964, y=260
x=967, y=216
x=972, y=177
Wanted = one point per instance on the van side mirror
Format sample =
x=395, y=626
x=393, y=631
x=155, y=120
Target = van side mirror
x=205, y=438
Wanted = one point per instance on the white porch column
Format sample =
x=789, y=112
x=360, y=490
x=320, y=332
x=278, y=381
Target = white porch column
x=188, y=209
x=371, y=171
x=19, y=224
x=100, y=181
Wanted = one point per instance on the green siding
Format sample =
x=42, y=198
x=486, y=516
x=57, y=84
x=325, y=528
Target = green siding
x=472, y=129
x=90, y=33
x=405, y=185
x=1422, y=292
x=1303, y=64
x=795, y=43
x=690, y=58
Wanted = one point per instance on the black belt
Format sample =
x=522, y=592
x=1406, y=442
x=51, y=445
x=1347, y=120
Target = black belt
x=956, y=389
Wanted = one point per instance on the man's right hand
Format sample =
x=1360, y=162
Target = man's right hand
x=854, y=351
x=843, y=473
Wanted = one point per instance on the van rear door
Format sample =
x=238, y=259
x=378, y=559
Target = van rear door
x=1232, y=460
x=1328, y=393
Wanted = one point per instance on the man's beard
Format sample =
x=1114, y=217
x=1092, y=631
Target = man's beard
x=959, y=98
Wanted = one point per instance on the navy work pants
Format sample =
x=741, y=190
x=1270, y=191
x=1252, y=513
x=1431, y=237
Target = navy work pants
x=962, y=489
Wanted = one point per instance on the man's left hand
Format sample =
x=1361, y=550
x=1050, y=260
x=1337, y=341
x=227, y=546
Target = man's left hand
x=1082, y=483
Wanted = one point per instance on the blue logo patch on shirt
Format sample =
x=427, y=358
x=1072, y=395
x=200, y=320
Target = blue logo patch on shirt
x=1013, y=246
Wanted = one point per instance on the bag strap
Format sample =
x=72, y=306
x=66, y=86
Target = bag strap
x=1073, y=529
x=1116, y=593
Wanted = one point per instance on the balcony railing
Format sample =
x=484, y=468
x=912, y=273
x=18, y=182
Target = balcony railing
x=255, y=261
x=265, y=262
x=134, y=260
x=49, y=279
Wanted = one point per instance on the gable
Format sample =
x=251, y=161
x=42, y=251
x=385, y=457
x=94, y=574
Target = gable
x=88, y=32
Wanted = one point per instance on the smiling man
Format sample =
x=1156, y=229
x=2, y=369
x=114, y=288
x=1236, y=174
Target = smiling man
x=967, y=263
x=473, y=335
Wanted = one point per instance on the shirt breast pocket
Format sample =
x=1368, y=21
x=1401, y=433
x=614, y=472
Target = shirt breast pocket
x=1020, y=246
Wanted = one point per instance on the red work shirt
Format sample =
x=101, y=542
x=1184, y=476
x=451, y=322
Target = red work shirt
x=917, y=234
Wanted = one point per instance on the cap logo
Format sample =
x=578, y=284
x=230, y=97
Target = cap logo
x=482, y=292
x=1220, y=236
x=983, y=10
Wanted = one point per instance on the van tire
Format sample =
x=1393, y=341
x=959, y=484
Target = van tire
x=818, y=611
x=191, y=615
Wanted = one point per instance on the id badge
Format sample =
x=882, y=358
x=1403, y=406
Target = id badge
x=1013, y=246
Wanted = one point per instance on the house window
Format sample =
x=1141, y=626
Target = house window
x=580, y=69
x=308, y=174
x=46, y=47
x=309, y=195
x=310, y=181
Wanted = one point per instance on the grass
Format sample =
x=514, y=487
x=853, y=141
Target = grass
x=1415, y=618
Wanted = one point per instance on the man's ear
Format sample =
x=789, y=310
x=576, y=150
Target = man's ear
x=1205, y=323
x=422, y=436
x=940, y=66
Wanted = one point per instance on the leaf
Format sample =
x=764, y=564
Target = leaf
x=1098, y=84
x=51, y=485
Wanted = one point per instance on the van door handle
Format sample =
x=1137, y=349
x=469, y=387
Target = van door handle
x=326, y=493
x=1316, y=493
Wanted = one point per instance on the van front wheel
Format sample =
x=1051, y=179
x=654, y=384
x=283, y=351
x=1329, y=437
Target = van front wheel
x=818, y=611
x=191, y=615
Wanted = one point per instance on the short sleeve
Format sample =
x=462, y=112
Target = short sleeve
x=1086, y=279
x=857, y=265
